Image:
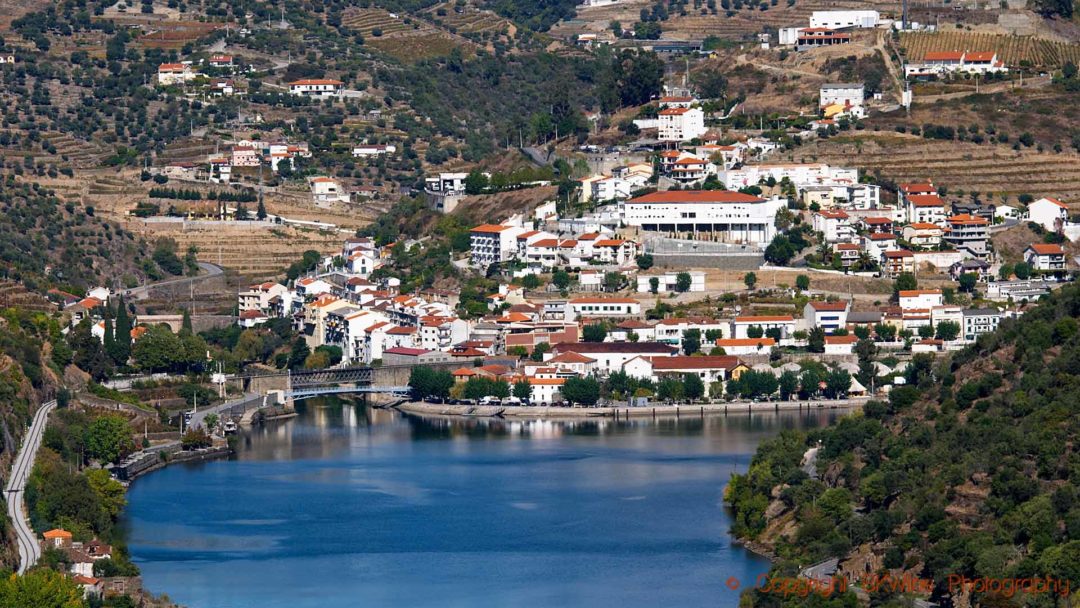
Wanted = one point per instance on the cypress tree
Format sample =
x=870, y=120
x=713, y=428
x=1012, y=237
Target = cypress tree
x=185, y=324
x=121, y=351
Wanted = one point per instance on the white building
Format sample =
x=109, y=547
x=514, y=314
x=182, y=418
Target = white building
x=727, y=216
x=847, y=96
x=1046, y=257
x=493, y=244
x=952, y=62
x=920, y=299
x=681, y=124
x=326, y=190
x=979, y=321
x=668, y=281
x=175, y=73
x=840, y=345
x=801, y=175
x=316, y=87
x=445, y=190
x=829, y=316
x=1049, y=213
x=595, y=306
x=740, y=326
x=844, y=19
x=258, y=297
x=835, y=225
x=372, y=150
x=924, y=209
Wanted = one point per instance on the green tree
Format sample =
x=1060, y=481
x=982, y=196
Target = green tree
x=654, y=285
x=109, y=491
x=539, y=351
x=475, y=182
x=815, y=341
x=788, y=384
x=1022, y=270
x=158, y=350
x=682, y=282
x=837, y=383
x=691, y=341
x=644, y=261
x=948, y=330
x=802, y=282
x=298, y=354
x=585, y=391
x=122, y=343
x=594, y=332
x=561, y=279
x=755, y=332
x=904, y=282
x=522, y=390
x=693, y=387
x=750, y=279
x=967, y=281
x=41, y=588
x=108, y=438
x=185, y=322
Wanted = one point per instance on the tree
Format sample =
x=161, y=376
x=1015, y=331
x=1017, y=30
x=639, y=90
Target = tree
x=837, y=383
x=109, y=491
x=967, y=281
x=185, y=322
x=926, y=331
x=788, y=384
x=693, y=387
x=613, y=281
x=750, y=279
x=297, y=355
x=594, y=332
x=260, y=212
x=475, y=182
x=644, y=261
x=755, y=332
x=904, y=282
x=885, y=332
x=682, y=282
x=654, y=285
x=158, y=350
x=691, y=341
x=522, y=390
x=815, y=341
x=1022, y=270
x=108, y=438
x=561, y=279
x=122, y=342
x=585, y=391
x=41, y=588
x=670, y=389
x=780, y=251
x=539, y=350
x=802, y=282
x=948, y=330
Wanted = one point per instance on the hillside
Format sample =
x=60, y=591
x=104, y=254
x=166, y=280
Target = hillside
x=966, y=471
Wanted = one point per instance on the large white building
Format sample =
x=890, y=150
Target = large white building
x=681, y=124
x=493, y=244
x=731, y=217
x=316, y=87
x=801, y=175
x=1049, y=213
x=950, y=62
x=844, y=19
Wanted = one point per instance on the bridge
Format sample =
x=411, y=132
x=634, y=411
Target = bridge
x=289, y=386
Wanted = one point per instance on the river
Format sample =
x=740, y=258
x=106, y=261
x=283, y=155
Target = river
x=350, y=506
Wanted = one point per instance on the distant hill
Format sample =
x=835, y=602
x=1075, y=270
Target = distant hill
x=970, y=471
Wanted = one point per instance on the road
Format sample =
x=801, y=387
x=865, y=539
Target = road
x=29, y=548
x=199, y=418
x=141, y=293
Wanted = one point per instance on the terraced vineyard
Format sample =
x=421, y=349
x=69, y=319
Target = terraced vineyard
x=470, y=20
x=1010, y=49
x=254, y=253
x=404, y=38
x=989, y=170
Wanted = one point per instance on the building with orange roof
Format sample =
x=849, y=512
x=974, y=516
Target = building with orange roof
x=898, y=261
x=923, y=234
x=169, y=74
x=745, y=346
x=677, y=124
x=969, y=235
x=316, y=87
x=830, y=316
x=924, y=208
x=722, y=215
x=1050, y=213
x=493, y=244
x=1045, y=257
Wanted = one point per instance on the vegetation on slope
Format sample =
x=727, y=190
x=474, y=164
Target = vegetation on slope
x=969, y=470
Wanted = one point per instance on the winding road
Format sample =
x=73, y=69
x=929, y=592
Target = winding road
x=29, y=548
x=140, y=293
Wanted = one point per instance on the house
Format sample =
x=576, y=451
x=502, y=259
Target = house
x=820, y=36
x=920, y=298
x=618, y=252
x=493, y=244
x=677, y=101
x=746, y=346
x=1018, y=291
x=612, y=356
x=245, y=156
x=326, y=190
x=57, y=539
x=545, y=391
x=1045, y=257
x=605, y=307
x=718, y=368
x=849, y=253
x=845, y=19
x=943, y=63
x=830, y=316
x=316, y=87
x=372, y=150
x=847, y=96
x=671, y=330
x=90, y=586
x=834, y=224
x=576, y=363
x=668, y=282
x=1049, y=213
x=840, y=345
x=690, y=169
x=928, y=345
x=723, y=215
x=169, y=74
x=979, y=321
x=401, y=355
x=681, y=124
x=968, y=234
x=894, y=263
x=923, y=234
x=883, y=225
x=741, y=326
x=970, y=266
x=220, y=61
x=924, y=209
x=632, y=330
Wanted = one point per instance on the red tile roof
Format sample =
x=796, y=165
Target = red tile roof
x=1046, y=249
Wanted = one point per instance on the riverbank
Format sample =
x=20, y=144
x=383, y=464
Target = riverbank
x=617, y=413
x=159, y=457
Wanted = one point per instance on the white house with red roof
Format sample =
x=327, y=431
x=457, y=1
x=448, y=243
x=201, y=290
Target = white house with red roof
x=830, y=316
x=924, y=208
x=316, y=87
x=1050, y=213
x=726, y=216
x=493, y=244
x=257, y=297
x=920, y=298
x=681, y=124
x=941, y=63
x=1046, y=257
x=326, y=190
x=175, y=73
x=619, y=252
x=834, y=224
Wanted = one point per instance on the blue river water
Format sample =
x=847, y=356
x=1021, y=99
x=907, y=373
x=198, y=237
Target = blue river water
x=349, y=506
